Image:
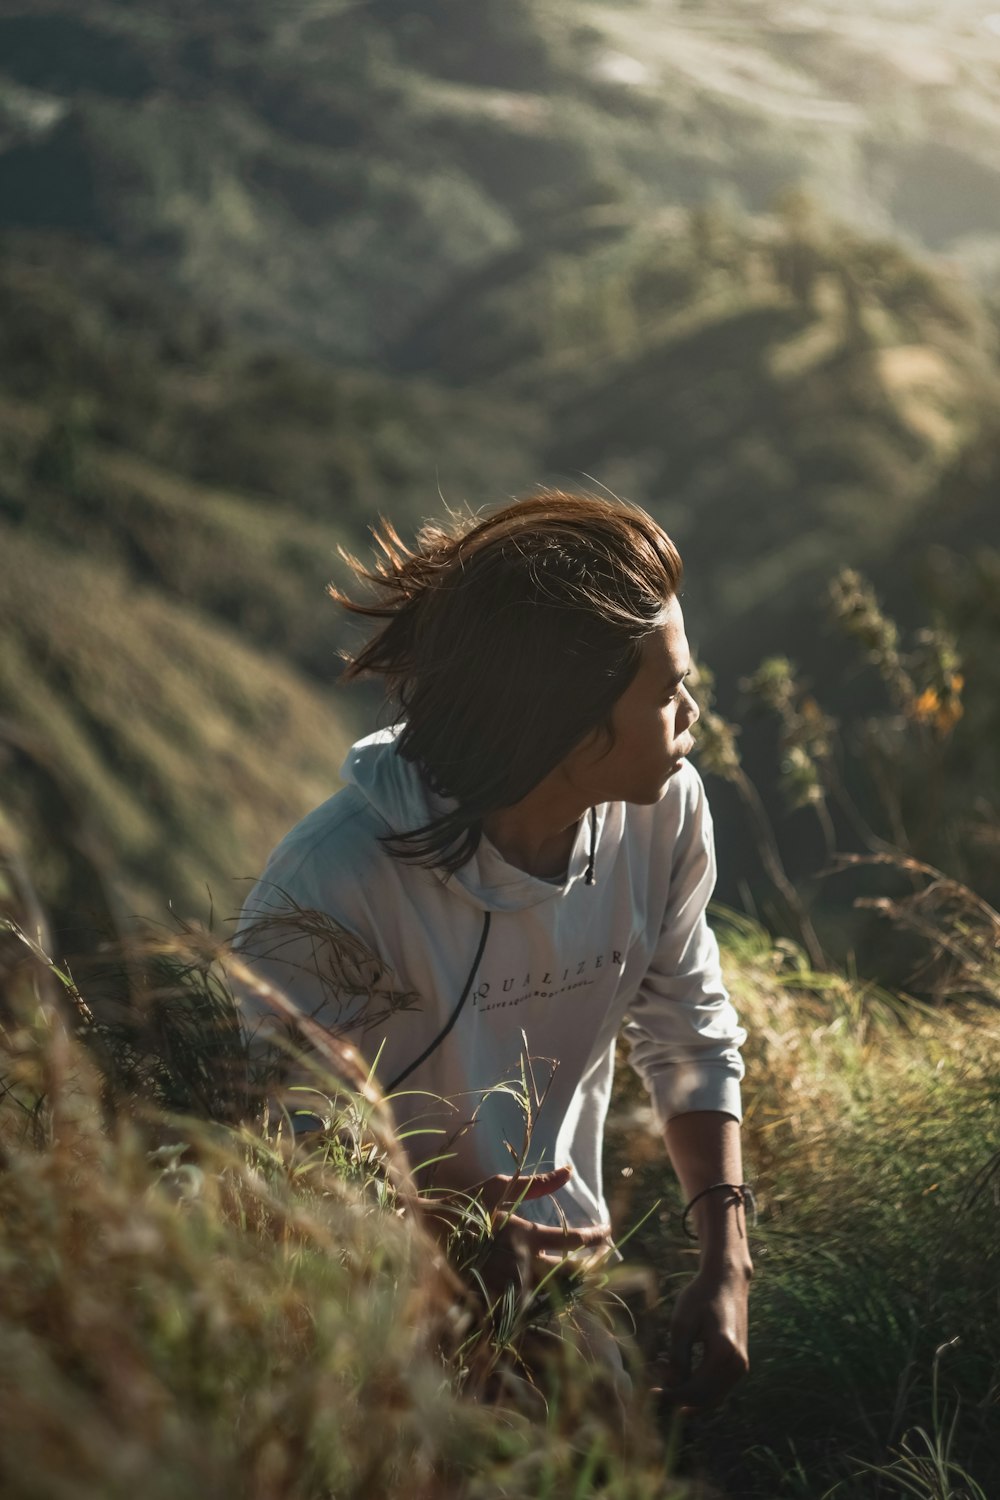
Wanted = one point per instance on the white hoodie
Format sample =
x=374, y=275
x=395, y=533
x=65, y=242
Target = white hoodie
x=551, y=973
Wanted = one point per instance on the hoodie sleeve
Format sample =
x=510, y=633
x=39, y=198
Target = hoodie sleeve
x=682, y=1029
x=288, y=936
x=323, y=960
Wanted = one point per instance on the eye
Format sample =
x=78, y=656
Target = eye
x=673, y=696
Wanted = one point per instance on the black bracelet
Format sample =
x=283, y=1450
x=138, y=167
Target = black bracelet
x=743, y=1195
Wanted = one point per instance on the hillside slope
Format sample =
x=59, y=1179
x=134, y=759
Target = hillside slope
x=191, y=751
x=787, y=397
x=321, y=173
x=172, y=501
x=112, y=355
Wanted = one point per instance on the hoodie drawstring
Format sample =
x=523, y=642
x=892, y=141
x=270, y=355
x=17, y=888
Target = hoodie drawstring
x=467, y=988
x=589, y=877
x=390, y=1088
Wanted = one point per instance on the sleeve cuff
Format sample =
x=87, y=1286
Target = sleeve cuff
x=683, y=1089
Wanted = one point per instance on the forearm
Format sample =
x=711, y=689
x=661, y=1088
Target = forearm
x=704, y=1148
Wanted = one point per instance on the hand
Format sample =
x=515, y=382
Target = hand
x=712, y=1311
x=520, y=1251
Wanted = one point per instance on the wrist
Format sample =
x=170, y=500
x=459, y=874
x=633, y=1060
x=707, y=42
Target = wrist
x=726, y=1263
x=722, y=1235
x=717, y=1218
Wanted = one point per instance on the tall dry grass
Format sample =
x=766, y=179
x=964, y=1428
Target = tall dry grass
x=195, y=1303
x=871, y=1133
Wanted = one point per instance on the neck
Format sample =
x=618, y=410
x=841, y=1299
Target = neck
x=537, y=834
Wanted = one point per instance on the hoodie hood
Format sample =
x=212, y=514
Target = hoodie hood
x=395, y=790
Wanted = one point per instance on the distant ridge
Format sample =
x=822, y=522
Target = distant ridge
x=323, y=175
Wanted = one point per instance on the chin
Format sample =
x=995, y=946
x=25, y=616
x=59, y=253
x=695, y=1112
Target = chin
x=653, y=791
x=672, y=770
x=645, y=797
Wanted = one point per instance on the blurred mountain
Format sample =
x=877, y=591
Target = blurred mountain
x=267, y=271
x=171, y=504
x=322, y=170
x=787, y=396
x=169, y=725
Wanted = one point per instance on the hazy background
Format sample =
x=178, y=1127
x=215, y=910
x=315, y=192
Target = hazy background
x=268, y=270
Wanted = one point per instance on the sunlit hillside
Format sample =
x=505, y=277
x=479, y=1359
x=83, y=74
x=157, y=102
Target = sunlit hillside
x=789, y=398
x=321, y=171
x=786, y=396
x=243, y=1315
x=171, y=506
x=888, y=111
x=271, y=270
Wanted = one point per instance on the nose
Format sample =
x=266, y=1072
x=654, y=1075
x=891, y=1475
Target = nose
x=692, y=713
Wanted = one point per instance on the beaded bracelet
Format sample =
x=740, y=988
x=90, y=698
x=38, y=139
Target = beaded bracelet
x=743, y=1195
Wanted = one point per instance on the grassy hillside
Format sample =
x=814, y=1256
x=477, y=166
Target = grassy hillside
x=171, y=503
x=323, y=172
x=870, y=1132
x=487, y=199
x=817, y=398
x=267, y=271
x=787, y=397
x=251, y=1317
x=111, y=355
x=192, y=751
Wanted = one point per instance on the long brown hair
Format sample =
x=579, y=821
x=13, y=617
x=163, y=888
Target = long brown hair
x=505, y=641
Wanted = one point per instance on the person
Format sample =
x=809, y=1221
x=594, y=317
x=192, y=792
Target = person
x=527, y=854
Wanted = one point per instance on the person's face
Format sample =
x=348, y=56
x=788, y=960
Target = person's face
x=652, y=723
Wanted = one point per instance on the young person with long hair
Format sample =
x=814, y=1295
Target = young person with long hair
x=528, y=851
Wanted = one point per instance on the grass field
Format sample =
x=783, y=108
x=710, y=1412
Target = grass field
x=870, y=1132
x=194, y=1305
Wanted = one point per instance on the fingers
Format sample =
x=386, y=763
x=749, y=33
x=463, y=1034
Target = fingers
x=514, y=1256
x=719, y=1370
x=677, y=1371
x=573, y=1267
x=558, y=1239
x=541, y=1184
x=498, y=1192
x=501, y=1195
x=501, y=1191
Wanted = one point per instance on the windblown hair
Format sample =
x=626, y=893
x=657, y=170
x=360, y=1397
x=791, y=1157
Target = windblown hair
x=505, y=642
